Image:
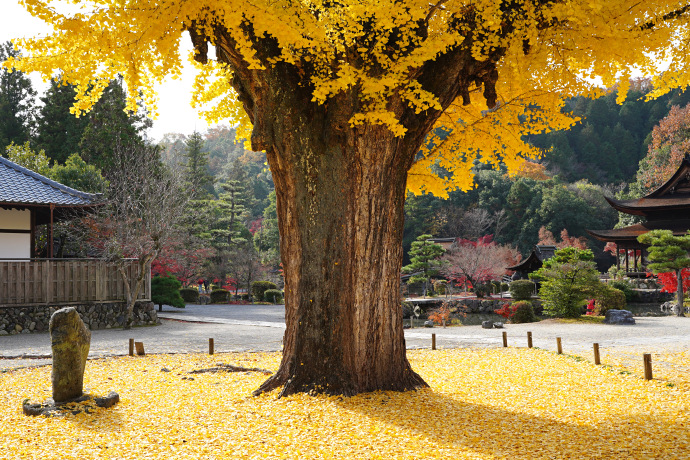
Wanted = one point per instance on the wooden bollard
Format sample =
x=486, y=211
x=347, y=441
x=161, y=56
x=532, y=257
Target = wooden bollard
x=529, y=340
x=210, y=346
x=647, y=358
x=505, y=339
x=140, y=348
x=433, y=341
x=596, y=354
x=131, y=347
x=558, y=345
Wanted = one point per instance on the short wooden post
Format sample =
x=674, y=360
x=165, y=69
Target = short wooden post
x=505, y=339
x=210, y=346
x=131, y=347
x=647, y=358
x=529, y=340
x=140, y=348
x=433, y=341
x=558, y=345
x=596, y=354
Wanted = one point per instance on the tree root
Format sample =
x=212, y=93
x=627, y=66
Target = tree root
x=230, y=368
x=334, y=386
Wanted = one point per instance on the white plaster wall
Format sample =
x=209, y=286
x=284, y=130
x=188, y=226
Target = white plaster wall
x=15, y=219
x=15, y=245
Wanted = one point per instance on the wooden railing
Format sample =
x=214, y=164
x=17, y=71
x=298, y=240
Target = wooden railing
x=64, y=281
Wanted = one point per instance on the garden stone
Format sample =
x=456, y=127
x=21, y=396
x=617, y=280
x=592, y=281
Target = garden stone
x=428, y=324
x=619, y=317
x=70, y=340
x=487, y=324
x=498, y=325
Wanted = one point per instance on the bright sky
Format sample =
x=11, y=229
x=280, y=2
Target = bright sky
x=176, y=114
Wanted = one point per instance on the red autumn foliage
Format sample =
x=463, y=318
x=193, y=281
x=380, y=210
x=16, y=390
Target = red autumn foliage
x=567, y=241
x=670, y=143
x=477, y=262
x=669, y=282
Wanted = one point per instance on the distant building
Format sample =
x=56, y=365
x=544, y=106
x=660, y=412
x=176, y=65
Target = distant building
x=534, y=262
x=27, y=200
x=666, y=208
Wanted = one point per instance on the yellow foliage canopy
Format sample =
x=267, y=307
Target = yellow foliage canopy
x=376, y=51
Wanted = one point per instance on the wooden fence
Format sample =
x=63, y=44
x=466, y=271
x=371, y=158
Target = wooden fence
x=64, y=281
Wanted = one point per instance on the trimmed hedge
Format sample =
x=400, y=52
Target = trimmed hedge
x=220, y=296
x=524, y=312
x=521, y=289
x=190, y=295
x=259, y=287
x=608, y=298
x=273, y=295
x=630, y=295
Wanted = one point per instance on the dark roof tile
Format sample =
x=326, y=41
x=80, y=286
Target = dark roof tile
x=23, y=186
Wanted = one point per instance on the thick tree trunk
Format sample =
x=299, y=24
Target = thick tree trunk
x=340, y=197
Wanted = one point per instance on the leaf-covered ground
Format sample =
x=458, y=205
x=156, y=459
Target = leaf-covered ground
x=491, y=403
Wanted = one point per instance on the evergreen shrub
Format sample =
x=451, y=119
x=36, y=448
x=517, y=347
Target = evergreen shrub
x=523, y=312
x=630, y=295
x=521, y=289
x=259, y=287
x=165, y=290
x=220, y=296
x=190, y=295
x=273, y=295
x=608, y=298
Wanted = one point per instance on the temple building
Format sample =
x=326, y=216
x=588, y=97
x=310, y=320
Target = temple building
x=534, y=262
x=666, y=208
x=27, y=200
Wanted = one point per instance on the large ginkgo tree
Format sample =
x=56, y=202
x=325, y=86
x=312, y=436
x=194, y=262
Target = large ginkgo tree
x=343, y=95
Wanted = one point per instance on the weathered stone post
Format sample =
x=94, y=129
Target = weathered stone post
x=71, y=340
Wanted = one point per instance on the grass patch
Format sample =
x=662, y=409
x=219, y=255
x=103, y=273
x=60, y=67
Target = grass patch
x=587, y=319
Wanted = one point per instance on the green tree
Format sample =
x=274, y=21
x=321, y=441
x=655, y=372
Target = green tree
x=165, y=290
x=16, y=102
x=196, y=171
x=567, y=280
x=110, y=125
x=267, y=237
x=58, y=132
x=77, y=174
x=423, y=261
x=25, y=156
x=668, y=253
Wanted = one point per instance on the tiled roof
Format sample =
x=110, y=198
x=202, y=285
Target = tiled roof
x=678, y=227
x=23, y=186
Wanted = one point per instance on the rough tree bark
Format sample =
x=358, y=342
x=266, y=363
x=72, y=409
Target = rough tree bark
x=340, y=194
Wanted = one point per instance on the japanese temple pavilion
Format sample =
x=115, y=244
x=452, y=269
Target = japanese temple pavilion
x=534, y=262
x=28, y=199
x=666, y=208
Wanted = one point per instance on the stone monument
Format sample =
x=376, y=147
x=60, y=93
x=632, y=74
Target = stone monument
x=70, y=340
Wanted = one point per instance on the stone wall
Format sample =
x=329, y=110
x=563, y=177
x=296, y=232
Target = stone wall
x=23, y=320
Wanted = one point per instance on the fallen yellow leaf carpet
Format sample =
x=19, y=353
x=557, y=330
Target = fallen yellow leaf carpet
x=506, y=403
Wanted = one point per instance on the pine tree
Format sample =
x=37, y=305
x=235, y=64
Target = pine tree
x=58, y=132
x=16, y=102
x=668, y=253
x=196, y=167
x=109, y=126
x=423, y=265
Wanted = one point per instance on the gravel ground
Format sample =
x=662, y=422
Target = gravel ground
x=260, y=328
